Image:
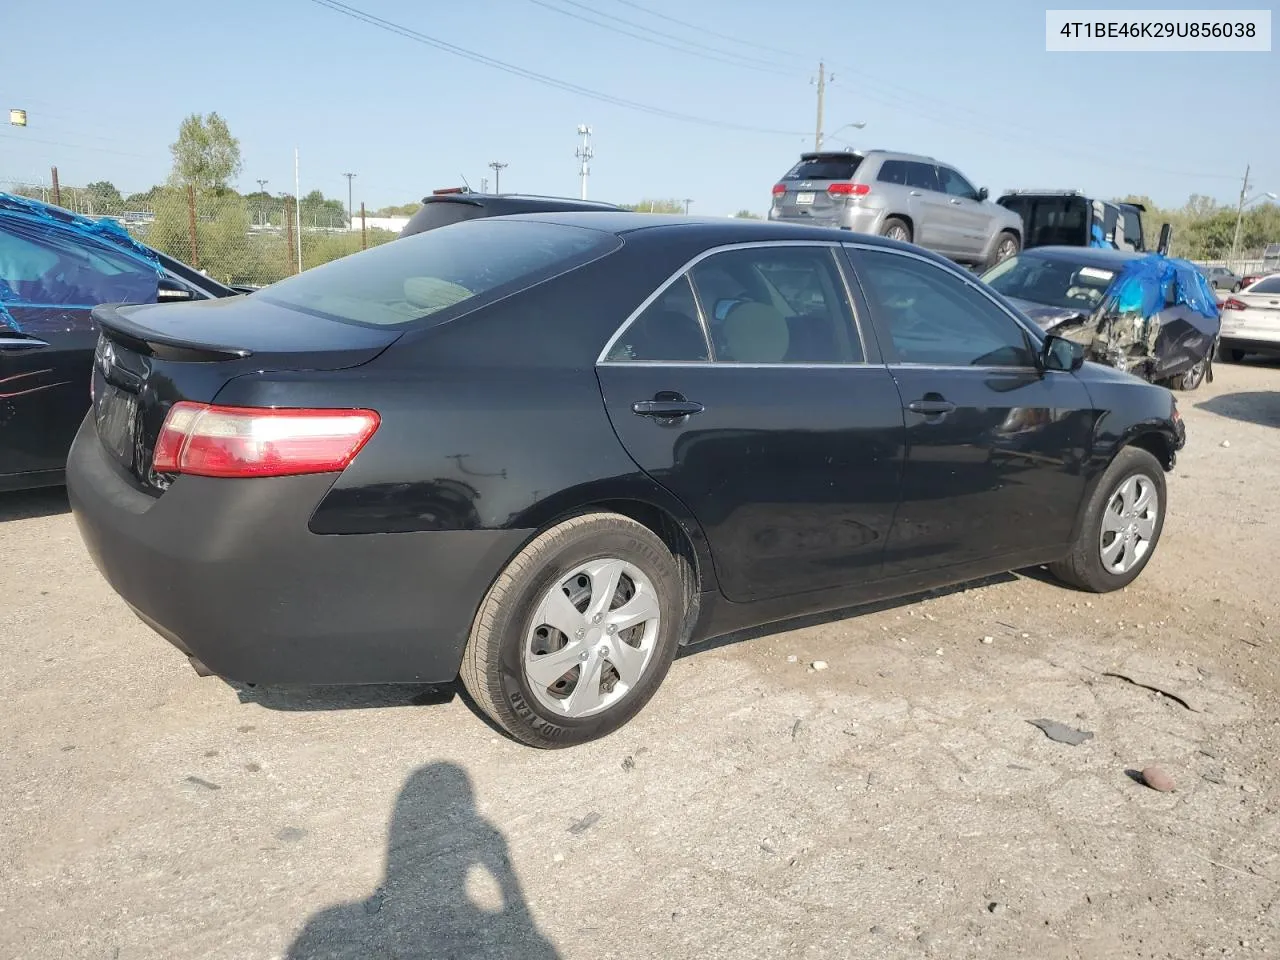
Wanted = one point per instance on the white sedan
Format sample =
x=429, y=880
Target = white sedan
x=1251, y=320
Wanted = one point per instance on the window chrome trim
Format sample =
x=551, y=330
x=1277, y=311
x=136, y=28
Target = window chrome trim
x=602, y=359
x=1036, y=334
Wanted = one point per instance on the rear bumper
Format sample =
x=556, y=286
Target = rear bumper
x=227, y=571
x=857, y=219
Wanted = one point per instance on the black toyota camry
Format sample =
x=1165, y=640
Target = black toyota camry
x=541, y=452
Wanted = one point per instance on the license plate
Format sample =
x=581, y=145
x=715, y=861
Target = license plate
x=803, y=198
x=117, y=417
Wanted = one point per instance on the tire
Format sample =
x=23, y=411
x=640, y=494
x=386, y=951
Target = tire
x=1192, y=378
x=1083, y=567
x=504, y=639
x=896, y=229
x=1235, y=288
x=1231, y=355
x=1007, y=246
x=1215, y=286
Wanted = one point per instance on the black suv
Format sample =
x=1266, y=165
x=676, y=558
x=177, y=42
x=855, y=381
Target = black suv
x=1069, y=218
x=453, y=204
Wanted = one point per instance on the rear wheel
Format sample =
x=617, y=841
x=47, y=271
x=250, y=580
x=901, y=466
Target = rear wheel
x=1192, y=378
x=1121, y=525
x=896, y=229
x=1230, y=354
x=577, y=632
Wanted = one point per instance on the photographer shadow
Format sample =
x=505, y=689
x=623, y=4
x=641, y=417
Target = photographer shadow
x=442, y=857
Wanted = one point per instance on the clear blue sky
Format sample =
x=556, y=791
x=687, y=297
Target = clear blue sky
x=967, y=82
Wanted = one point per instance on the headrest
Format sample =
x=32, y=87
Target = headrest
x=755, y=333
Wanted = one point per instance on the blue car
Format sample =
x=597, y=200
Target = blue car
x=55, y=267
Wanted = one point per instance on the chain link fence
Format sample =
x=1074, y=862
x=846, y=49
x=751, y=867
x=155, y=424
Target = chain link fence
x=249, y=239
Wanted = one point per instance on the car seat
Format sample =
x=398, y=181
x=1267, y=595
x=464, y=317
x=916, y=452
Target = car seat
x=755, y=333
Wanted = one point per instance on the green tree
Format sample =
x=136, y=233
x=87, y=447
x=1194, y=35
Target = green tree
x=396, y=210
x=205, y=155
x=747, y=215
x=104, y=196
x=656, y=206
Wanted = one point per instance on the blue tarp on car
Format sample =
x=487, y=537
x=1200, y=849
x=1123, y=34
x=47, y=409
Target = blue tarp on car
x=1144, y=287
x=50, y=257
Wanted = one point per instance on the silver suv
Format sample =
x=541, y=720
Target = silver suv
x=899, y=195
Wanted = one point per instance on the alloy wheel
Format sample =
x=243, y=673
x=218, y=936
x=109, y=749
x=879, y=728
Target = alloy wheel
x=1129, y=524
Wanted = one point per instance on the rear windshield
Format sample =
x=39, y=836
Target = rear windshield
x=398, y=283
x=835, y=167
x=1055, y=283
x=1269, y=285
x=440, y=213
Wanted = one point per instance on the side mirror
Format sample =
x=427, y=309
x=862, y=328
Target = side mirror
x=1059, y=353
x=1166, y=239
x=983, y=193
x=170, y=290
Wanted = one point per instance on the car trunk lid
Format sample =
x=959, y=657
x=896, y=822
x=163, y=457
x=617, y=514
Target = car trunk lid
x=149, y=357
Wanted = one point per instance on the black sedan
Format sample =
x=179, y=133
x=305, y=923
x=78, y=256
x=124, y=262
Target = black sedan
x=1152, y=315
x=55, y=266
x=544, y=451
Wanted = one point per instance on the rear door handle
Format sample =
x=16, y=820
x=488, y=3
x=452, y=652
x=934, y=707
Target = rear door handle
x=931, y=408
x=666, y=409
x=915, y=193
x=955, y=199
x=20, y=343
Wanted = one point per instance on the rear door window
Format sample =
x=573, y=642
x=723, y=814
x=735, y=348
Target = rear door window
x=833, y=167
x=923, y=176
x=415, y=278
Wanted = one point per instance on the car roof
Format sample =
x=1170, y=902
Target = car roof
x=1086, y=256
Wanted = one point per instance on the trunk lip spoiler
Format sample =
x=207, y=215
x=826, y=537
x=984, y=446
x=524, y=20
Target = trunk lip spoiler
x=116, y=324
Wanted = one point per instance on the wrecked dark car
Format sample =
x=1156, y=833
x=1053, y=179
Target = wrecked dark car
x=1150, y=315
x=55, y=267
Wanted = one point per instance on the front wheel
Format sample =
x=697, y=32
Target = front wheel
x=1120, y=527
x=1006, y=246
x=577, y=632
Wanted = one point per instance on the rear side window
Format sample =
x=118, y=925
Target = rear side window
x=833, y=167
x=397, y=283
x=923, y=176
x=668, y=329
x=893, y=171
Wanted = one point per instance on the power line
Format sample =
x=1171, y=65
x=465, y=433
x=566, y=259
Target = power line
x=418, y=37
x=700, y=50
x=904, y=97
x=23, y=138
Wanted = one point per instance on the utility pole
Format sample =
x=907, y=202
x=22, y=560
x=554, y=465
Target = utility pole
x=687, y=201
x=350, y=207
x=1235, y=240
x=262, y=188
x=584, y=153
x=823, y=79
x=484, y=184
x=497, y=168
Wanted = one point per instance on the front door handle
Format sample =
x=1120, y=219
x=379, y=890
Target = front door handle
x=665, y=409
x=931, y=407
x=915, y=193
x=955, y=200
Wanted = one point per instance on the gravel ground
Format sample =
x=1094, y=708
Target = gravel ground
x=895, y=804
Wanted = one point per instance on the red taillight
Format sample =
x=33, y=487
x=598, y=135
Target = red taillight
x=212, y=441
x=849, y=189
x=1232, y=303
x=779, y=189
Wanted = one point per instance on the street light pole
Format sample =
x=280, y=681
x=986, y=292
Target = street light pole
x=262, y=188
x=350, y=211
x=497, y=168
x=856, y=125
x=687, y=201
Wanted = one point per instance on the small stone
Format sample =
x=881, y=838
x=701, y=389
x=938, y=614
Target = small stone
x=988, y=640
x=792, y=658
x=1026, y=636
x=877, y=929
x=558, y=857
x=628, y=763
x=767, y=846
x=995, y=909
x=819, y=665
x=1226, y=443
x=938, y=651
x=291, y=834
x=1157, y=779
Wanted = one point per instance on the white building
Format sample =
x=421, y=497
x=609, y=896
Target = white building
x=394, y=224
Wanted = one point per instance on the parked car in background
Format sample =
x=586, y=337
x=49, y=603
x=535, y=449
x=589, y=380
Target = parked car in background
x=1221, y=278
x=595, y=437
x=1249, y=279
x=55, y=266
x=1070, y=218
x=1144, y=313
x=455, y=204
x=902, y=196
x=1251, y=320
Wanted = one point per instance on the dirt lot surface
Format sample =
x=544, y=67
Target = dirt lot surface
x=896, y=804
